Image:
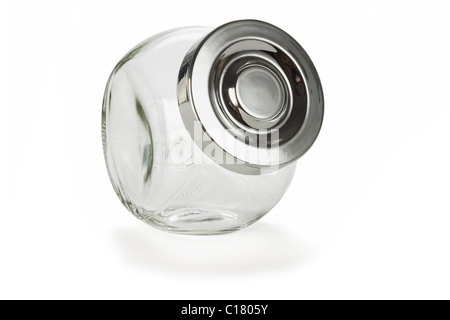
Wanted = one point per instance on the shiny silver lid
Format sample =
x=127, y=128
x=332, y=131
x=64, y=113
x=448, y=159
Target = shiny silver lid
x=254, y=93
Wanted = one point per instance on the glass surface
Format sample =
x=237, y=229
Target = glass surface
x=155, y=168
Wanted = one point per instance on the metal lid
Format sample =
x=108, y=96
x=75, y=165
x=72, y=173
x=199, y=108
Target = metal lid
x=254, y=93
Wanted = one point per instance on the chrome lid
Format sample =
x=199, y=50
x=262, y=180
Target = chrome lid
x=254, y=93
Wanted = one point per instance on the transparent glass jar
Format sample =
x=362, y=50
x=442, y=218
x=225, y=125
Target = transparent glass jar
x=201, y=127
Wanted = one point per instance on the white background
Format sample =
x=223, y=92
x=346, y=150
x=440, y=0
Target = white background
x=368, y=213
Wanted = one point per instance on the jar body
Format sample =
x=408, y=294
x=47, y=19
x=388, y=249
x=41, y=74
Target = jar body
x=154, y=165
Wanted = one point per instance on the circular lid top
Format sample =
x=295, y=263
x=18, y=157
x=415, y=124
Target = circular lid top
x=250, y=96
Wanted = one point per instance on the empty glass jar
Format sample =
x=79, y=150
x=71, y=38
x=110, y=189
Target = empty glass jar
x=201, y=127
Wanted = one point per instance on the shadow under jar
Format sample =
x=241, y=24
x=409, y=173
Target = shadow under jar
x=201, y=127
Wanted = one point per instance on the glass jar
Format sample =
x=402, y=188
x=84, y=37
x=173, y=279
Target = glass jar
x=201, y=127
